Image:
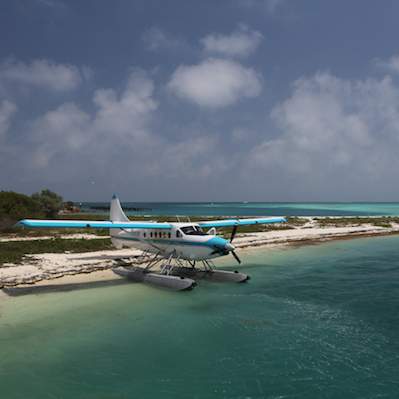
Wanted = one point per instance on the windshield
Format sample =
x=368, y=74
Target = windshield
x=193, y=231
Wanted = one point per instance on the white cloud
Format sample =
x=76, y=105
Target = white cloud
x=128, y=115
x=334, y=130
x=239, y=43
x=391, y=64
x=42, y=73
x=120, y=121
x=7, y=110
x=115, y=144
x=215, y=83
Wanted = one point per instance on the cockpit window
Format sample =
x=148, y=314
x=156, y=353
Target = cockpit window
x=193, y=231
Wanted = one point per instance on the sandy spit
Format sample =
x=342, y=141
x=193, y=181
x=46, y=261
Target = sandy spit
x=95, y=266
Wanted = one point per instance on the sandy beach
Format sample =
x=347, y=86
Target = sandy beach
x=64, y=268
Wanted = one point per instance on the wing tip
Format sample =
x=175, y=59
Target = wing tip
x=21, y=223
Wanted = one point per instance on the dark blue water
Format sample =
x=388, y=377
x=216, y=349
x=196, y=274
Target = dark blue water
x=250, y=209
x=319, y=321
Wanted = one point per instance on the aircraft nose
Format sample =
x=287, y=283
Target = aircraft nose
x=229, y=247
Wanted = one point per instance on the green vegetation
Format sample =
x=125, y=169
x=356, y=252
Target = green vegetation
x=50, y=202
x=296, y=221
x=379, y=221
x=14, y=251
x=16, y=206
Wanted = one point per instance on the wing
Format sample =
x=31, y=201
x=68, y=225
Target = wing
x=94, y=224
x=241, y=222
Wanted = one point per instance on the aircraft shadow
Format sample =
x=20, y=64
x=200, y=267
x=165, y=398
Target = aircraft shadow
x=51, y=288
x=104, y=257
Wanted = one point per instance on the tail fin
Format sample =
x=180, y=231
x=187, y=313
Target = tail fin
x=116, y=213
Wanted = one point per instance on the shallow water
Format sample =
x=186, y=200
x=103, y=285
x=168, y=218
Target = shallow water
x=315, y=321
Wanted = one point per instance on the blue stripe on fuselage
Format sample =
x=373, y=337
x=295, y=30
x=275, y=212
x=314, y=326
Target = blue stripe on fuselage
x=211, y=243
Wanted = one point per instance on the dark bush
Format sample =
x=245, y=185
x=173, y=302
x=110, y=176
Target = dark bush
x=15, y=206
x=50, y=202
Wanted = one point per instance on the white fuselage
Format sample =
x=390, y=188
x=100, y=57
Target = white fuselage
x=183, y=240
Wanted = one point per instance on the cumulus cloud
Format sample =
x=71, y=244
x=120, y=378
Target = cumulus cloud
x=7, y=110
x=113, y=143
x=240, y=43
x=119, y=121
x=215, y=83
x=390, y=65
x=334, y=130
x=43, y=73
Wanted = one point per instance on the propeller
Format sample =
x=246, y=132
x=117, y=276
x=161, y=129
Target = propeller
x=229, y=247
x=233, y=233
x=236, y=257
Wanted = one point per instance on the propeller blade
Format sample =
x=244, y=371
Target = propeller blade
x=233, y=233
x=236, y=257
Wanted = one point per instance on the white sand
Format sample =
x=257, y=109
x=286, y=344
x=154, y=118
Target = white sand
x=63, y=236
x=36, y=268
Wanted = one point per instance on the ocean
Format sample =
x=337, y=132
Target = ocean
x=314, y=321
x=250, y=208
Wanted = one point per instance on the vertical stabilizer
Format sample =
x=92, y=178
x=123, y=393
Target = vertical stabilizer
x=116, y=213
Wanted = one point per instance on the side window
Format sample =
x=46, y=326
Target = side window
x=178, y=233
x=169, y=235
x=144, y=234
x=151, y=234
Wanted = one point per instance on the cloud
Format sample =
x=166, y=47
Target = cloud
x=113, y=144
x=119, y=121
x=215, y=83
x=240, y=43
x=156, y=39
x=42, y=73
x=127, y=116
x=391, y=64
x=7, y=110
x=334, y=131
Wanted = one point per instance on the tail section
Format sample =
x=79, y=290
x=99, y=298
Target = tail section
x=116, y=214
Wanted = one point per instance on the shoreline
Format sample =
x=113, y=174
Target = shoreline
x=63, y=269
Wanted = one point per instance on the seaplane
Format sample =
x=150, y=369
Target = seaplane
x=181, y=252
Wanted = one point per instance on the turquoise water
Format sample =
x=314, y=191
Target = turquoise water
x=316, y=321
x=252, y=208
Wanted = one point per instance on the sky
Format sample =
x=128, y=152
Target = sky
x=240, y=100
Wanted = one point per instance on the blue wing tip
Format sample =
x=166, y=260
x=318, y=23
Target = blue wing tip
x=20, y=223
